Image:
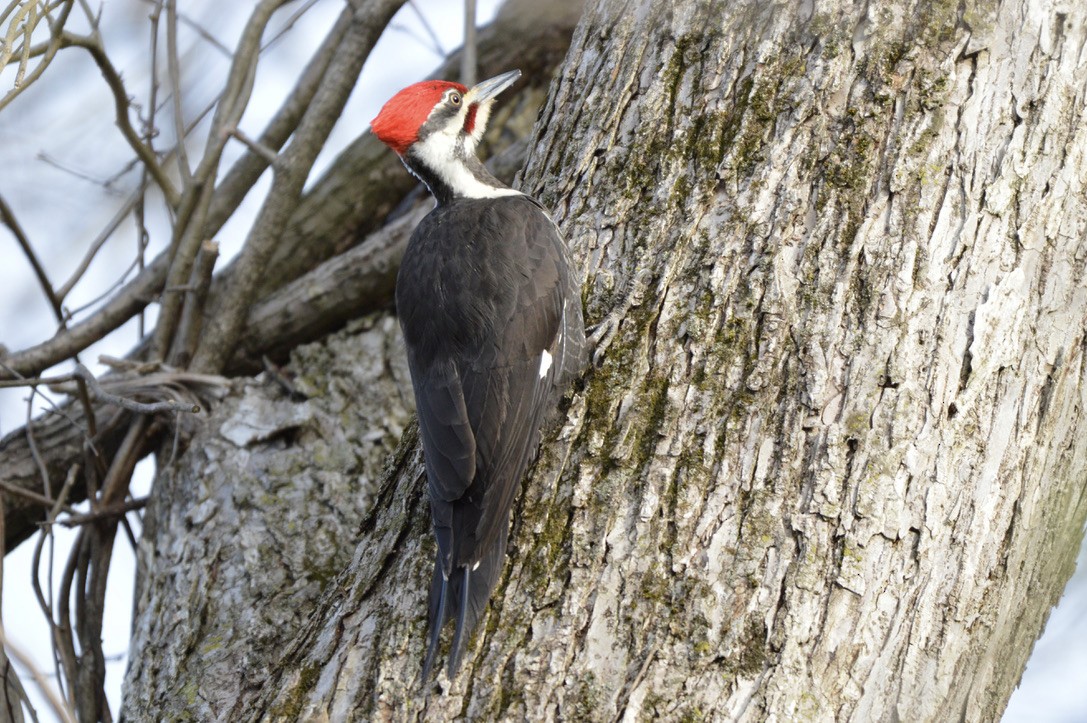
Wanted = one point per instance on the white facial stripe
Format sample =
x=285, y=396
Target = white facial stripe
x=483, y=114
x=437, y=153
x=545, y=363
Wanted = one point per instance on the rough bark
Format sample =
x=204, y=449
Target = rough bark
x=831, y=462
x=244, y=531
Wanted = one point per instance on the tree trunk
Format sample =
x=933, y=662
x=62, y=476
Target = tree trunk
x=830, y=464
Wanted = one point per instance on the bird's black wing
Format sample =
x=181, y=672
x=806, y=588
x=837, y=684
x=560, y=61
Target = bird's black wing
x=478, y=316
x=487, y=322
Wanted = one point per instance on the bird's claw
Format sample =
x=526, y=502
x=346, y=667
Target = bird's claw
x=600, y=336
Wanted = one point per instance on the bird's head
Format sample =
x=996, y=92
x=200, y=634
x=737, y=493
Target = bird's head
x=435, y=126
x=439, y=113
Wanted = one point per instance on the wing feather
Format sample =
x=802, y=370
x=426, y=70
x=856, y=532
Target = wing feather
x=478, y=314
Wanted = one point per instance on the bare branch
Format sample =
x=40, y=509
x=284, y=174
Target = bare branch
x=192, y=212
x=9, y=9
x=22, y=23
x=64, y=713
x=8, y=217
x=435, y=43
x=290, y=23
x=43, y=469
x=99, y=242
x=104, y=513
x=93, y=45
x=266, y=153
x=197, y=28
x=468, y=57
x=246, y=170
x=356, y=281
x=150, y=132
x=62, y=499
x=226, y=326
x=47, y=53
x=24, y=55
x=130, y=300
x=173, y=66
x=192, y=316
x=29, y=495
x=68, y=168
x=140, y=408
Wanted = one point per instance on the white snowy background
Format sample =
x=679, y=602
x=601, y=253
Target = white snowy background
x=60, y=156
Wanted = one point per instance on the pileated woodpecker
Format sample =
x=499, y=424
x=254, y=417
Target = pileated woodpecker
x=492, y=321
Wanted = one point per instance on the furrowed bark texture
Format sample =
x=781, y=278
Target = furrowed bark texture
x=246, y=528
x=831, y=463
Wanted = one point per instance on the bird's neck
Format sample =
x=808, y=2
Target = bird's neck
x=450, y=169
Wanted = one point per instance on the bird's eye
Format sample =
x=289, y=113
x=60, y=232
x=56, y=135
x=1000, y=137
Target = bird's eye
x=454, y=98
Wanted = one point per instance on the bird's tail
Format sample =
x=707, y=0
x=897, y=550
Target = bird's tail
x=462, y=597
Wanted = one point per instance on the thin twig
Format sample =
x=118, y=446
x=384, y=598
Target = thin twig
x=198, y=29
x=34, y=381
x=32, y=443
x=93, y=45
x=61, y=412
x=173, y=69
x=64, y=713
x=103, y=513
x=8, y=217
x=435, y=45
x=101, y=394
x=143, y=238
x=192, y=315
x=52, y=46
x=121, y=280
x=71, y=170
x=26, y=494
x=26, y=18
x=62, y=498
x=103, y=236
x=135, y=295
x=261, y=150
x=9, y=9
x=81, y=373
x=289, y=24
x=46, y=602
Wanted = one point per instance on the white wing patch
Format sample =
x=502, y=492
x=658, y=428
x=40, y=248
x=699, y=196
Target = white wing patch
x=545, y=363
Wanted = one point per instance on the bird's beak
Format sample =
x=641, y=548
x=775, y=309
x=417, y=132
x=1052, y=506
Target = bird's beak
x=490, y=88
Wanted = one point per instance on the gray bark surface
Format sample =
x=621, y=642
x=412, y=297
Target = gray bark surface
x=248, y=526
x=831, y=463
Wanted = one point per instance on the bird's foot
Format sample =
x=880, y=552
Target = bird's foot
x=600, y=336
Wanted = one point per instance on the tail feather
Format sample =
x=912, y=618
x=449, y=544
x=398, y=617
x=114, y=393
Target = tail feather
x=439, y=592
x=462, y=633
x=463, y=597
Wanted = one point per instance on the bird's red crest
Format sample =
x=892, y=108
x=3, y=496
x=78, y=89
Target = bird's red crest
x=397, y=125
